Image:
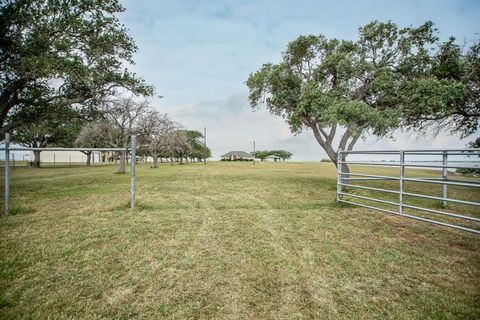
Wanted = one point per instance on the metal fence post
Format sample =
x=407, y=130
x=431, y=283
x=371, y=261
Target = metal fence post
x=7, y=173
x=254, y=154
x=444, y=178
x=402, y=175
x=205, y=144
x=339, y=173
x=133, y=153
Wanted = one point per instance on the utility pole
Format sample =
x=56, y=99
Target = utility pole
x=253, y=151
x=205, y=144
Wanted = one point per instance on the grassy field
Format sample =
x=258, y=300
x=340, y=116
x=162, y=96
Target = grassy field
x=225, y=241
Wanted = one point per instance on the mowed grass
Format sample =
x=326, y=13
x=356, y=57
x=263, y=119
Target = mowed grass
x=224, y=241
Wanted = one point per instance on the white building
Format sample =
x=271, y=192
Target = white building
x=64, y=157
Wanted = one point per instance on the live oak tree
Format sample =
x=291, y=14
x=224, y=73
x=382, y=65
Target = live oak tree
x=122, y=116
x=154, y=138
x=63, y=53
x=262, y=154
x=92, y=135
x=448, y=97
x=188, y=144
x=197, y=149
x=177, y=145
x=342, y=89
x=283, y=154
x=58, y=128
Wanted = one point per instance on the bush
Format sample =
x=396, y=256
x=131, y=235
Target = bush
x=468, y=171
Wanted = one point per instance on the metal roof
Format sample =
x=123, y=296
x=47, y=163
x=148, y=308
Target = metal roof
x=241, y=154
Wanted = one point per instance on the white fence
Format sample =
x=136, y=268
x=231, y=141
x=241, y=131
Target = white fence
x=439, y=165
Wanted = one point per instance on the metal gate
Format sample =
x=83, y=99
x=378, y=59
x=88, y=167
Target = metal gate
x=435, y=171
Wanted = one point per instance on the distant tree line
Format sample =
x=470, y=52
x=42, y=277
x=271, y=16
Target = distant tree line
x=158, y=136
x=262, y=154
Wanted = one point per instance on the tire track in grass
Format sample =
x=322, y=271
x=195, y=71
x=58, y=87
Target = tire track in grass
x=297, y=289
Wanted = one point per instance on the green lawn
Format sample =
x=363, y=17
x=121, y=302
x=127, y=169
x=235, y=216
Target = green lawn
x=224, y=241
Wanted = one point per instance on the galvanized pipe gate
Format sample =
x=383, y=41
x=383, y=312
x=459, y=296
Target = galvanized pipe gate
x=346, y=180
x=132, y=149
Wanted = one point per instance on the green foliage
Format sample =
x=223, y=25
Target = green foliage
x=59, y=128
x=191, y=146
x=262, y=154
x=389, y=77
x=449, y=95
x=468, y=171
x=61, y=53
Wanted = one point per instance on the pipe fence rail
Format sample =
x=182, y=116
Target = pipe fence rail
x=7, y=149
x=348, y=182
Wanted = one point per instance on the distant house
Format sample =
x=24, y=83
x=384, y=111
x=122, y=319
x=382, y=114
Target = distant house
x=237, y=156
x=273, y=158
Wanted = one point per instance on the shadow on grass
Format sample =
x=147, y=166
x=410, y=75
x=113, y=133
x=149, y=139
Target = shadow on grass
x=138, y=207
x=21, y=210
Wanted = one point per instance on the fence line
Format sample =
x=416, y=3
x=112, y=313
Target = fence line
x=8, y=149
x=345, y=187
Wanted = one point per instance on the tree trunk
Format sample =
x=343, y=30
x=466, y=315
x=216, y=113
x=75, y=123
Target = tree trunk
x=89, y=157
x=155, y=161
x=121, y=166
x=36, y=159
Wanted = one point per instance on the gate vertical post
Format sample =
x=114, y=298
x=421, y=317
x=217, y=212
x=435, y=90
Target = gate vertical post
x=339, y=173
x=402, y=175
x=133, y=153
x=254, y=154
x=444, y=178
x=7, y=173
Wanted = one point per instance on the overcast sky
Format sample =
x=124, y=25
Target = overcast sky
x=198, y=54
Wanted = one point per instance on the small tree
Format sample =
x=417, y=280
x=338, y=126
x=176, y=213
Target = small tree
x=283, y=154
x=177, y=145
x=260, y=154
x=154, y=128
x=123, y=116
x=93, y=135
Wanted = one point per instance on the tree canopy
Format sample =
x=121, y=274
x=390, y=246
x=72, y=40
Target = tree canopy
x=61, y=53
x=262, y=154
x=59, y=127
x=342, y=89
x=448, y=97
